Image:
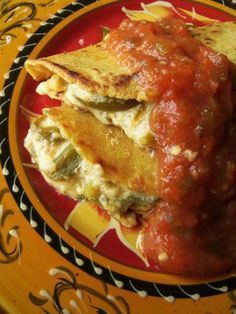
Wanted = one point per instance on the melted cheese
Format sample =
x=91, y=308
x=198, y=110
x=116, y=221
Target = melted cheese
x=134, y=121
x=87, y=180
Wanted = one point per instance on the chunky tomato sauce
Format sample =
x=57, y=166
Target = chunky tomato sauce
x=193, y=228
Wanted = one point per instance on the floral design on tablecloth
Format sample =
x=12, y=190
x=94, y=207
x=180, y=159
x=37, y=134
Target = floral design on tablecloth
x=18, y=15
x=69, y=295
x=10, y=244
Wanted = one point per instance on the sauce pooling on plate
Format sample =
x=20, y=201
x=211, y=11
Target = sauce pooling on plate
x=193, y=228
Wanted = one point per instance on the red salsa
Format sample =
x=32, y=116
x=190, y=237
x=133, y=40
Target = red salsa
x=193, y=228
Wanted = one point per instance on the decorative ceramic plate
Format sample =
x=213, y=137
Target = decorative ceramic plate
x=56, y=255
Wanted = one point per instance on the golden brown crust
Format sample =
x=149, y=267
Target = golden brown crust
x=93, y=69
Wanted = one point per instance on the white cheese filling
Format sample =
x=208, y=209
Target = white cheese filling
x=134, y=121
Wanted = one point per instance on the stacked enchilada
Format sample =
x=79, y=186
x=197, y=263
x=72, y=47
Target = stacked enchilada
x=101, y=144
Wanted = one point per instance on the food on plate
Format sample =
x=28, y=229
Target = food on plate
x=168, y=98
x=84, y=159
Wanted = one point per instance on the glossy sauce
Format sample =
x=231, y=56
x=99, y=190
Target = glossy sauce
x=195, y=134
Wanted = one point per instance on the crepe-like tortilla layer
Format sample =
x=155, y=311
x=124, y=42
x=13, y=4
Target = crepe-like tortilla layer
x=221, y=37
x=97, y=71
x=93, y=69
x=123, y=162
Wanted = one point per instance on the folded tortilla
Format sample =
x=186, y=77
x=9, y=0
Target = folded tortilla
x=82, y=157
x=91, y=68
